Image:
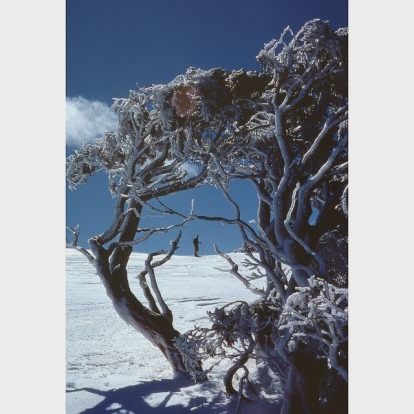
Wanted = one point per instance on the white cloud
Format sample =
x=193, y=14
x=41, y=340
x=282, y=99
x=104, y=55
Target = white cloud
x=87, y=119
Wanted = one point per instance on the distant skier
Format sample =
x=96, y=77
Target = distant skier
x=196, y=242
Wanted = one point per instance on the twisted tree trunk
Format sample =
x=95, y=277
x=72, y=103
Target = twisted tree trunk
x=302, y=388
x=157, y=327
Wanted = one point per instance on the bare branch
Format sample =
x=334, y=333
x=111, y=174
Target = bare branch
x=280, y=138
x=234, y=271
x=332, y=121
x=74, y=244
x=149, y=269
x=174, y=247
x=150, y=231
x=165, y=310
x=322, y=265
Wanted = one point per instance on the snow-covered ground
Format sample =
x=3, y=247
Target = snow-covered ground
x=113, y=369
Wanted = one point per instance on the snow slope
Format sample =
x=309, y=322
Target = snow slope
x=112, y=369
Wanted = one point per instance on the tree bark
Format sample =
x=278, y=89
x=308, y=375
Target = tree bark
x=301, y=393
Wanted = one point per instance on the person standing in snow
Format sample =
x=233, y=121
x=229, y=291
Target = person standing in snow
x=196, y=242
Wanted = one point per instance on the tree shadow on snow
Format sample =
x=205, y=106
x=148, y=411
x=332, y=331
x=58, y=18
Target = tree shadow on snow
x=132, y=399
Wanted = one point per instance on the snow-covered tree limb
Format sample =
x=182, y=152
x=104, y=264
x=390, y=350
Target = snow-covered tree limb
x=319, y=312
x=74, y=244
x=235, y=272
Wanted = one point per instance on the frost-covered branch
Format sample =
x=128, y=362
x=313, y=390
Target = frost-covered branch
x=235, y=272
x=333, y=120
x=322, y=265
x=319, y=312
x=74, y=244
x=232, y=335
x=149, y=269
x=165, y=310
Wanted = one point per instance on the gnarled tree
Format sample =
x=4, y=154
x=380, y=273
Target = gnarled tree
x=166, y=135
x=284, y=130
x=294, y=150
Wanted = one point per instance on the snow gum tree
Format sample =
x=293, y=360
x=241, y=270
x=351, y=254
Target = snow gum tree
x=140, y=168
x=164, y=144
x=285, y=130
x=294, y=151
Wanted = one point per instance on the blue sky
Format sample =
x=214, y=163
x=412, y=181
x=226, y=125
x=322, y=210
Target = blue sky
x=114, y=46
